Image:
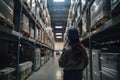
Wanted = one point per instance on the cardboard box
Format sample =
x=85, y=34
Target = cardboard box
x=100, y=12
x=25, y=25
x=7, y=10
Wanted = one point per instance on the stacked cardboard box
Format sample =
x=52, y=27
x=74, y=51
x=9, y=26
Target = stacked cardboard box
x=6, y=11
x=25, y=25
x=115, y=7
x=100, y=12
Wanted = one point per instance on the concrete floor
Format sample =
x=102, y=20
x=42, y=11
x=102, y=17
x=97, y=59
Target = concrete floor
x=49, y=71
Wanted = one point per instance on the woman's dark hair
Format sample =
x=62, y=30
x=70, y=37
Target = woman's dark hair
x=76, y=49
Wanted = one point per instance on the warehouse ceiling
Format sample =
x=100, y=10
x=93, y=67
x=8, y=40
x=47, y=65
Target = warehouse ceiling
x=59, y=14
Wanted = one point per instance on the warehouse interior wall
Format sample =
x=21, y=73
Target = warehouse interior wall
x=59, y=45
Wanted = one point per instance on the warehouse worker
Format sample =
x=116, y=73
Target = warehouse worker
x=74, y=57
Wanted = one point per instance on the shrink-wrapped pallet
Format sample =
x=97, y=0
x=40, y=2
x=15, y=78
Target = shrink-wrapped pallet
x=96, y=64
x=37, y=58
x=6, y=11
x=115, y=7
x=100, y=12
x=6, y=73
x=25, y=69
x=110, y=66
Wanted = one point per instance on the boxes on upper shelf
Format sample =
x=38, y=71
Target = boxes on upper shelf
x=32, y=30
x=100, y=13
x=25, y=25
x=115, y=7
x=7, y=12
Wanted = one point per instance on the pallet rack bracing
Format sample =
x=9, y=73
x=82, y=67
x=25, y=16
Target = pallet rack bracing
x=22, y=50
x=105, y=38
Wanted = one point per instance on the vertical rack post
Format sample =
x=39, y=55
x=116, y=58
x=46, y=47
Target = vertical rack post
x=34, y=44
x=90, y=43
x=18, y=41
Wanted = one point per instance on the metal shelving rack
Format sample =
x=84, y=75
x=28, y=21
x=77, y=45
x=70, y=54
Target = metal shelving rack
x=105, y=38
x=17, y=37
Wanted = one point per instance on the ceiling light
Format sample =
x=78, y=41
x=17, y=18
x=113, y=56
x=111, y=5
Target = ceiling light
x=58, y=26
x=58, y=33
x=58, y=0
x=58, y=36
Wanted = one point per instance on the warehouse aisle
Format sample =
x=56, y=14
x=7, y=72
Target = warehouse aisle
x=49, y=71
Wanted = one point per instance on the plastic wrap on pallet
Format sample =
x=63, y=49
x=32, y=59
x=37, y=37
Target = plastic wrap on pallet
x=95, y=60
x=115, y=7
x=42, y=60
x=25, y=25
x=114, y=3
x=100, y=9
x=37, y=58
x=25, y=69
x=6, y=73
x=110, y=66
x=7, y=10
x=85, y=23
x=28, y=3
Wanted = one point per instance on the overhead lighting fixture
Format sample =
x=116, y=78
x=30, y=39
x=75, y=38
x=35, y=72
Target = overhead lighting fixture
x=58, y=0
x=58, y=36
x=58, y=33
x=58, y=27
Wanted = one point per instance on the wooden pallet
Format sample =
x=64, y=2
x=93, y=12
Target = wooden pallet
x=6, y=23
x=99, y=23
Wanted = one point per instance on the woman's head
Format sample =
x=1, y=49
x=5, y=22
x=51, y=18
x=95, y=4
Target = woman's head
x=73, y=33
